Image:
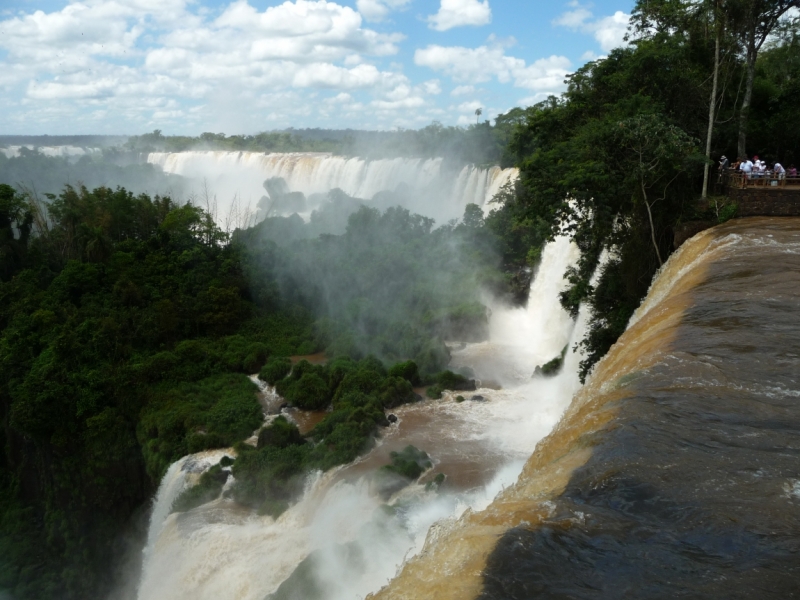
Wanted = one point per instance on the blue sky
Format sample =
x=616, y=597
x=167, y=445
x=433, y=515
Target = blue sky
x=243, y=66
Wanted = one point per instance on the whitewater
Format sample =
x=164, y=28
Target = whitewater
x=235, y=180
x=339, y=538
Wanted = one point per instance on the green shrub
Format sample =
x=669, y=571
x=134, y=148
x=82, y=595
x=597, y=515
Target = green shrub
x=365, y=381
x=188, y=417
x=407, y=370
x=310, y=392
x=280, y=434
x=552, y=367
x=409, y=463
x=206, y=490
x=396, y=391
x=436, y=483
x=276, y=369
x=434, y=392
x=447, y=380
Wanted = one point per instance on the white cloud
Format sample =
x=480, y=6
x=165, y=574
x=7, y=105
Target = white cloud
x=573, y=18
x=378, y=10
x=458, y=13
x=485, y=63
x=608, y=31
x=129, y=57
x=432, y=86
x=469, y=107
x=463, y=90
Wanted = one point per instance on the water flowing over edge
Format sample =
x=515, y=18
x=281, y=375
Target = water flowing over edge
x=238, y=177
x=220, y=551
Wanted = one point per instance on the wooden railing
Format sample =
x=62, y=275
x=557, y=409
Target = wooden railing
x=738, y=179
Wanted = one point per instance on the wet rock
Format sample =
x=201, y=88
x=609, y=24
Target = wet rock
x=392, y=418
x=479, y=398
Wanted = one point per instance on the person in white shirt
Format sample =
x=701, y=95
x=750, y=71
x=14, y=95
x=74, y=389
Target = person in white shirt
x=746, y=167
x=778, y=170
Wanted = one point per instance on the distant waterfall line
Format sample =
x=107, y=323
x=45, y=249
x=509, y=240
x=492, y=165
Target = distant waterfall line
x=314, y=173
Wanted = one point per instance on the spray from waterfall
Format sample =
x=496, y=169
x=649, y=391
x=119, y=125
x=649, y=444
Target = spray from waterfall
x=424, y=186
x=341, y=540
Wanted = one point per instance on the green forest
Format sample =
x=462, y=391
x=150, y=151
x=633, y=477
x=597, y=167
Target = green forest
x=481, y=144
x=130, y=322
x=129, y=327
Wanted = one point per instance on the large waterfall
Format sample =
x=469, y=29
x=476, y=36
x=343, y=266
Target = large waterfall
x=428, y=186
x=339, y=537
x=674, y=471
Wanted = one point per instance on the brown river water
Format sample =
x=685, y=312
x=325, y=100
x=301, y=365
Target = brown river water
x=675, y=472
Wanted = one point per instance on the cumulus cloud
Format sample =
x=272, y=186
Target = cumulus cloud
x=131, y=57
x=378, y=10
x=458, y=13
x=463, y=90
x=488, y=62
x=432, y=86
x=608, y=31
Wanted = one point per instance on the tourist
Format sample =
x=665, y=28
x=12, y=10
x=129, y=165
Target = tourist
x=792, y=172
x=724, y=163
x=778, y=170
x=746, y=167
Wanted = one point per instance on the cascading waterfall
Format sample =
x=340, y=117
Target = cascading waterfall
x=673, y=472
x=60, y=151
x=336, y=536
x=433, y=190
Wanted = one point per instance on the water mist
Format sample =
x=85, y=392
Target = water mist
x=341, y=540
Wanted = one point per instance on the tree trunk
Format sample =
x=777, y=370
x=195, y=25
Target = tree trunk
x=712, y=106
x=748, y=94
x=652, y=228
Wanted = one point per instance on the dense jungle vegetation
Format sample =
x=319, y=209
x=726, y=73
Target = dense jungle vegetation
x=481, y=144
x=618, y=160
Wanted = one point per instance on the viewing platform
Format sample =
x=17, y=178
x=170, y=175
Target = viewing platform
x=761, y=196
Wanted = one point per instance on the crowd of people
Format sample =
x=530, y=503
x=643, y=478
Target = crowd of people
x=757, y=168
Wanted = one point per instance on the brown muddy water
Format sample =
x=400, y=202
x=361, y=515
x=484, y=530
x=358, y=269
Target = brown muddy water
x=675, y=472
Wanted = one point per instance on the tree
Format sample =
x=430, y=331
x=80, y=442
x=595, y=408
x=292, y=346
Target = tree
x=16, y=220
x=712, y=104
x=754, y=21
x=657, y=152
x=478, y=113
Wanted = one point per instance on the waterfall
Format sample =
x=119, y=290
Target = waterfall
x=673, y=472
x=337, y=535
x=60, y=151
x=432, y=189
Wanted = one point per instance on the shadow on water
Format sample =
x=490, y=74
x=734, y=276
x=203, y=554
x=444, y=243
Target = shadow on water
x=693, y=488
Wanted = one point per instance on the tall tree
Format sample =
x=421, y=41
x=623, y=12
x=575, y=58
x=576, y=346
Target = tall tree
x=712, y=104
x=755, y=20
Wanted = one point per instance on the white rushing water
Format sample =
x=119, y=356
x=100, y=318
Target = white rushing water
x=221, y=551
x=60, y=151
x=238, y=177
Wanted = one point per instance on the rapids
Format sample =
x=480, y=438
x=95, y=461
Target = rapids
x=674, y=472
x=339, y=541
x=236, y=178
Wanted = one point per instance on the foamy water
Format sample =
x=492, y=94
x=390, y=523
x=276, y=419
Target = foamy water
x=60, y=151
x=434, y=190
x=220, y=551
